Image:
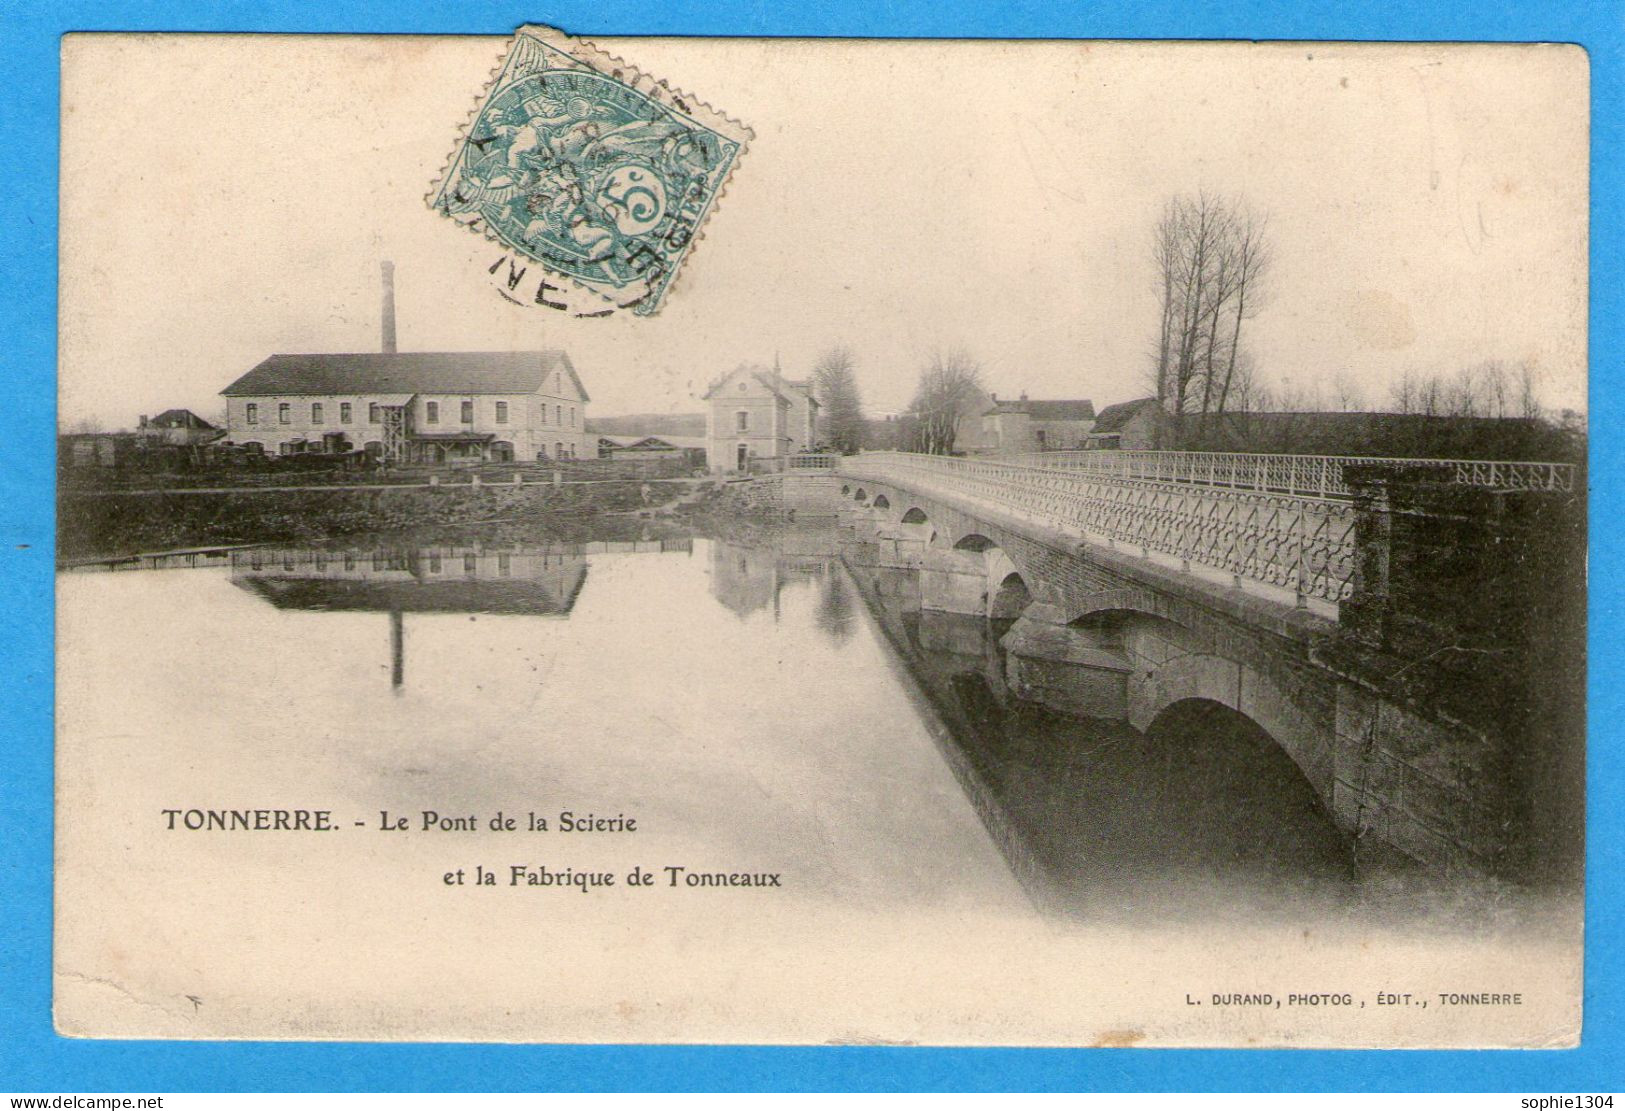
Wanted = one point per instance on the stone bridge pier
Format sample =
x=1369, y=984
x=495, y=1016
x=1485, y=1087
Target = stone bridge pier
x=1427, y=733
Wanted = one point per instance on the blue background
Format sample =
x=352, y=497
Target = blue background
x=33, y=1058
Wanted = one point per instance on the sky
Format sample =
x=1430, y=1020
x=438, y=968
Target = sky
x=227, y=198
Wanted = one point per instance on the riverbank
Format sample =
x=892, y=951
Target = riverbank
x=110, y=525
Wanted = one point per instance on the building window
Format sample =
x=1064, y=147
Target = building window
x=284, y=413
x=284, y=448
x=372, y=412
x=503, y=565
x=469, y=564
x=346, y=414
x=502, y=412
x=434, y=565
x=572, y=416
x=252, y=413
x=558, y=451
x=742, y=421
x=316, y=412
x=558, y=415
x=468, y=412
x=431, y=412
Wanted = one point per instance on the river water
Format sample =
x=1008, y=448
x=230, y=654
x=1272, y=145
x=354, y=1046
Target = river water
x=754, y=706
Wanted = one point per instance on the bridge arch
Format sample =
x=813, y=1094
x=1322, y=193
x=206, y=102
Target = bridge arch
x=1009, y=590
x=1215, y=744
x=1008, y=597
x=881, y=502
x=916, y=525
x=1215, y=679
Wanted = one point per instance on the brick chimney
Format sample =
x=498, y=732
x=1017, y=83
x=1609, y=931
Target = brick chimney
x=389, y=308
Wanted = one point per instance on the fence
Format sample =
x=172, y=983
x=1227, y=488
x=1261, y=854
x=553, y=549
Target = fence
x=1315, y=476
x=780, y=464
x=1303, y=544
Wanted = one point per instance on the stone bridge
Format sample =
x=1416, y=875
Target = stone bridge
x=1410, y=635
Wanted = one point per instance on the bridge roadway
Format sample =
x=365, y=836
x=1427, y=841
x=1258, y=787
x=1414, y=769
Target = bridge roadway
x=1305, y=596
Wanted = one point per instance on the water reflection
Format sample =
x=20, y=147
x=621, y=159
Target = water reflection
x=515, y=580
x=748, y=577
x=810, y=642
x=1203, y=815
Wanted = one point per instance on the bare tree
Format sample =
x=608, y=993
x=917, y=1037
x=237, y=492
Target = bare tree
x=947, y=382
x=1211, y=254
x=1429, y=396
x=1295, y=397
x=841, y=407
x=1402, y=395
x=1167, y=251
x=1346, y=394
x=1496, y=383
x=1247, y=394
x=1528, y=402
x=1459, y=394
x=1189, y=242
x=1252, y=262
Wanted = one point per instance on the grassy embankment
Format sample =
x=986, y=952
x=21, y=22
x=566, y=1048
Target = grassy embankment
x=112, y=524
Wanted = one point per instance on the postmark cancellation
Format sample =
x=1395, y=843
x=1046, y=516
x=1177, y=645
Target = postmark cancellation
x=600, y=174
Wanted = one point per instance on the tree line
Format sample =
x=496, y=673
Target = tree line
x=1212, y=260
x=948, y=381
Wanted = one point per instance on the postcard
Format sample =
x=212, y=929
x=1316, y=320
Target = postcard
x=821, y=541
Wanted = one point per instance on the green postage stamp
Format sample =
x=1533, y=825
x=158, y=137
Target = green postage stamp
x=576, y=161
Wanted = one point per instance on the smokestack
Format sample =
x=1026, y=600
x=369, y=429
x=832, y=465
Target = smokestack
x=389, y=308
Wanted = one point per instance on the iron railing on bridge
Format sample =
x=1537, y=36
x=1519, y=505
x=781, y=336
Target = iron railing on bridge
x=1299, y=543
x=781, y=464
x=1315, y=476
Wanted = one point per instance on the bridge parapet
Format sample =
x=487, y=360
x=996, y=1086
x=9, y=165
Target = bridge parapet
x=1315, y=476
x=1299, y=543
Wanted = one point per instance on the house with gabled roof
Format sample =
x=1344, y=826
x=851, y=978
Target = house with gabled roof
x=414, y=407
x=181, y=427
x=755, y=413
x=1023, y=425
x=1139, y=425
